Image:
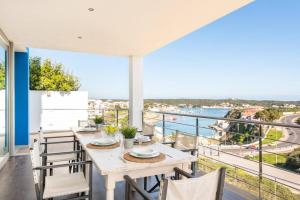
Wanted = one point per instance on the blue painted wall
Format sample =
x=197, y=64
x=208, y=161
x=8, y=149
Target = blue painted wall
x=22, y=98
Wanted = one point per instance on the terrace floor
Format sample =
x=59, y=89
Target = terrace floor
x=16, y=182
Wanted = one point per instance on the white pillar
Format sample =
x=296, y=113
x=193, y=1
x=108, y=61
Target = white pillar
x=11, y=99
x=136, y=96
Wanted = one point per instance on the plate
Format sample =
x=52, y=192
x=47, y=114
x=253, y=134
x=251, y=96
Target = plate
x=144, y=153
x=104, y=142
x=87, y=129
x=143, y=139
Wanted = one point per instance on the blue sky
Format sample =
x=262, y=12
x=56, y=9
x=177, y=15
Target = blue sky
x=252, y=53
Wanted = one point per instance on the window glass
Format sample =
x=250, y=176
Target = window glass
x=3, y=115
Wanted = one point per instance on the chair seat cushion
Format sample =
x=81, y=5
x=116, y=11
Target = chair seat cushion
x=61, y=185
x=62, y=157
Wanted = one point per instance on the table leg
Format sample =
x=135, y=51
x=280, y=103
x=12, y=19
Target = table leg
x=109, y=186
x=185, y=167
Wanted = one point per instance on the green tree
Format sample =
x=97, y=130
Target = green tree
x=269, y=114
x=35, y=73
x=50, y=76
x=2, y=76
x=298, y=121
x=293, y=159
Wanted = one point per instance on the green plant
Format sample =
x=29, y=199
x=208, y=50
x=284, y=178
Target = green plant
x=128, y=132
x=98, y=120
x=2, y=76
x=298, y=121
x=110, y=130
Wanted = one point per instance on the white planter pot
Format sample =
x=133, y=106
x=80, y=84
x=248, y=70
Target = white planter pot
x=128, y=143
x=99, y=127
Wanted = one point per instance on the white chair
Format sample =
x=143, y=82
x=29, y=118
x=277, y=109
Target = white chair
x=186, y=143
x=72, y=155
x=208, y=187
x=60, y=185
x=183, y=142
x=148, y=129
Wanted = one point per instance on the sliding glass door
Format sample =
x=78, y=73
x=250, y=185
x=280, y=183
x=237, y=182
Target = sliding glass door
x=3, y=100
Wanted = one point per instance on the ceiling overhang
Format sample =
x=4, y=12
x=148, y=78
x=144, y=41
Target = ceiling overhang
x=115, y=27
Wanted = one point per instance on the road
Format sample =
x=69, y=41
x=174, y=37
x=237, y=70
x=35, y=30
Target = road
x=292, y=135
x=282, y=176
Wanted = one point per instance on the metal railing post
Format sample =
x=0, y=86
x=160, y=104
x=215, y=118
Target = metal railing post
x=117, y=117
x=163, y=127
x=103, y=115
x=197, y=126
x=143, y=122
x=275, y=189
x=128, y=116
x=260, y=162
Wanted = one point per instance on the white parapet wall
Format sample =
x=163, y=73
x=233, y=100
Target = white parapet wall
x=56, y=111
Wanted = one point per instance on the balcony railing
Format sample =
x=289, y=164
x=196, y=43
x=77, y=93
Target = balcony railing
x=254, y=163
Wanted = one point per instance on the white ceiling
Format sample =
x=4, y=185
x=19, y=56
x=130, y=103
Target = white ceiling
x=115, y=27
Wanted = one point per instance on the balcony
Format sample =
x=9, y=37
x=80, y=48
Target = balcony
x=131, y=29
x=250, y=175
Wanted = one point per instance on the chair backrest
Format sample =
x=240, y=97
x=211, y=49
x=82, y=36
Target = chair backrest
x=148, y=129
x=184, y=141
x=83, y=123
x=208, y=187
x=36, y=160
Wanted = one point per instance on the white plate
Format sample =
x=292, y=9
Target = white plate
x=91, y=129
x=104, y=141
x=144, y=156
x=144, y=152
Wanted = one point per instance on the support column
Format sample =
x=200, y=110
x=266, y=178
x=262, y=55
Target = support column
x=11, y=99
x=21, y=98
x=136, y=96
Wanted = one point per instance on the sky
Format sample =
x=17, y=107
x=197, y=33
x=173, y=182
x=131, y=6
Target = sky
x=252, y=53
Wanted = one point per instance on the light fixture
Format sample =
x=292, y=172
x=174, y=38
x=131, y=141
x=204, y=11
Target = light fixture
x=79, y=37
x=91, y=9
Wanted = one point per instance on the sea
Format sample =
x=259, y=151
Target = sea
x=187, y=124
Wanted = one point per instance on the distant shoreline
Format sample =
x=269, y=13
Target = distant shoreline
x=215, y=102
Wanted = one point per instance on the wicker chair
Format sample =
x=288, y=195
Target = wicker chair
x=62, y=185
x=208, y=187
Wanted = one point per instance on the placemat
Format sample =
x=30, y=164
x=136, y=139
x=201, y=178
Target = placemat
x=130, y=158
x=91, y=146
x=87, y=132
x=145, y=143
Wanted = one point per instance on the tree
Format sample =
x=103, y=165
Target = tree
x=269, y=114
x=35, y=73
x=2, y=76
x=51, y=77
x=298, y=121
x=293, y=159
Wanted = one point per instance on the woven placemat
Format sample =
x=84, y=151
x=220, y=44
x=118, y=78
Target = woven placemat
x=145, y=143
x=87, y=132
x=113, y=146
x=131, y=158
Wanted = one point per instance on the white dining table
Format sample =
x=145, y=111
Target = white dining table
x=111, y=164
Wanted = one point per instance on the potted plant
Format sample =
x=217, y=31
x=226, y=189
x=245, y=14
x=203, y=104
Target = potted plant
x=110, y=130
x=99, y=121
x=129, y=134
